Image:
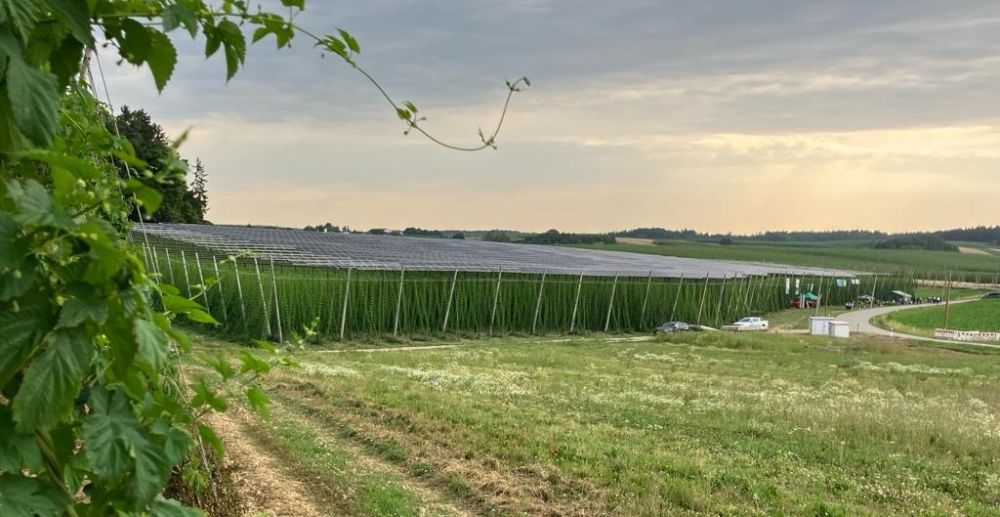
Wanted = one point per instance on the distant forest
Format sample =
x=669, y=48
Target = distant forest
x=985, y=234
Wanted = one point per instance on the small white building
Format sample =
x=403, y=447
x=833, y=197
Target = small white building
x=840, y=329
x=820, y=325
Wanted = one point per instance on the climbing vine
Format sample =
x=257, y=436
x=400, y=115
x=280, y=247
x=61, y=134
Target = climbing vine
x=95, y=414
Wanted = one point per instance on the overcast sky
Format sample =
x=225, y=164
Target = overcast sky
x=721, y=116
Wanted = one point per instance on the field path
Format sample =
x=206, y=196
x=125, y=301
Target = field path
x=861, y=321
x=265, y=484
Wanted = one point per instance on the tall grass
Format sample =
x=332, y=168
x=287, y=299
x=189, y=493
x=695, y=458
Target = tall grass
x=301, y=295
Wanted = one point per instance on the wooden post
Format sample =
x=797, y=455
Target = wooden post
x=746, y=294
x=753, y=293
x=343, y=308
x=496, y=299
x=239, y=292
x=187, y=278
x=222, y=294
x=611, y=304
x=451, y=300
x=947, y=300
x=576, y=303
x=722, y=293
x=538, y=304
x=156, y=260
x=677, y=298
x=399, y=302
x=263, y=300
x=819, y=300
x=170, y=267
x=701, y=305
x=277, y=306
x=645, y=300
x=874, y=285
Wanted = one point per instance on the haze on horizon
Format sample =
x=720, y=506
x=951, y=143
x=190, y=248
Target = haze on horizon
x=723, y=116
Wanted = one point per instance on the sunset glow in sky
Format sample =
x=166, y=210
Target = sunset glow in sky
x=721, y=116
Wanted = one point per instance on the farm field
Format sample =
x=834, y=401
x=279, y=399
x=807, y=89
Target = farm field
x=698, y=423
x=980, y=315
x=843, y=255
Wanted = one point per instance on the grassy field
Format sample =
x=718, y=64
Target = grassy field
x=843, y=255
x=980, y=315
x=713, y=423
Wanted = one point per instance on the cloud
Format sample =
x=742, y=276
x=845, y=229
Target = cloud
x=716, y=116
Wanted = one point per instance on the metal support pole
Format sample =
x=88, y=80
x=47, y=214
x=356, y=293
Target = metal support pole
x=170, y=267
x=399, y=302
x=746, y=294
x=277, y=306
x=704, y=293
x=677, y=298
x=222, y=294
x=451, y=299
x=263, y=300
x=496, y=299
x=947, y=300
x=187, y=278
x=645, y=299
x=538, y=303
x=201, y=278
x=343, y=308
x=611, y=304
x=239, y=292
x=718, y=310
x=576, y=303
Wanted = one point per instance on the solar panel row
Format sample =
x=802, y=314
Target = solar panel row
x=362, y=251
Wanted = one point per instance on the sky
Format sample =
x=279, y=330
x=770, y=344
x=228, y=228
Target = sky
x=723, y=116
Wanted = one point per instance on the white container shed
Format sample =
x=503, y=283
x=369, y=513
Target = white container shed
x=820, y=325
x=840, y=329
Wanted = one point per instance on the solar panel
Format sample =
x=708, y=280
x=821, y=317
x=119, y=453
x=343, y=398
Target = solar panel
x=363, y=251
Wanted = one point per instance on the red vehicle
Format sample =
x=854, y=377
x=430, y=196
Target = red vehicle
x=809, y=304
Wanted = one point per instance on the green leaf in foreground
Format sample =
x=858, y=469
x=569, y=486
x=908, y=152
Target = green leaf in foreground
x=34, y=99
x=115, y=442
x=53, y=381
x=30, y=497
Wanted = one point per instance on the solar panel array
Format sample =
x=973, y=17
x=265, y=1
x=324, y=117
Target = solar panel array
x=363, y=251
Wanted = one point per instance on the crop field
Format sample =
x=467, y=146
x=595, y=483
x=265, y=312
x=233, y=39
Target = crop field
x=980, y=315
x=713, y=423
x=257, y=300
x=842, y=255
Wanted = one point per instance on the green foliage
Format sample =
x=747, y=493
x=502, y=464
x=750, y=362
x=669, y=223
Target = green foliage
x=93, y=400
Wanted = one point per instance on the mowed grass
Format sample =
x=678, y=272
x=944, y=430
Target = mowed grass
x=699, y=423
x=979, y=315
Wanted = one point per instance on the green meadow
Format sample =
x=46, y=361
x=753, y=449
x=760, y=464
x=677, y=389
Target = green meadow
x=715, y=423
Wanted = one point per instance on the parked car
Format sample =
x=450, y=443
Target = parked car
x=797, y=304
x=672, y=326
x=849, y=306
x=751, y=323
x=995, y=295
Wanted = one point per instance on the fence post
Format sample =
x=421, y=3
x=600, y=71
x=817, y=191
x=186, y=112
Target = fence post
x=239, y=292
x=496, y=300
x=611, y=303
x=187, y=278
x=576, y=303
x=722, y=294
x=201, y=278
x=645, y=300
x=277, y=308
x=538, y=303
x=222, y=294
x=677, y=298
x=170, y=267
x=399, y=302
x=947, y=300
x=343, y=309
x=704, y=293
x=263, y=300
x=451, y=298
